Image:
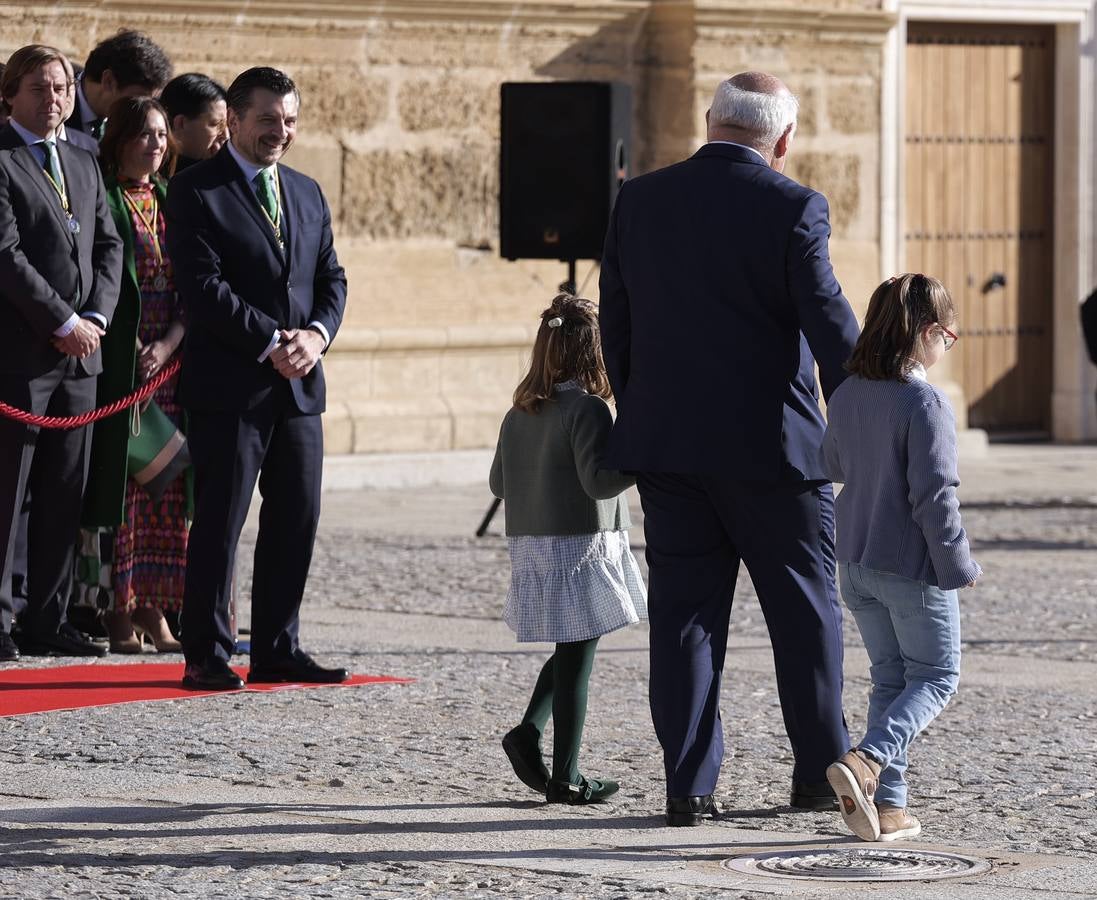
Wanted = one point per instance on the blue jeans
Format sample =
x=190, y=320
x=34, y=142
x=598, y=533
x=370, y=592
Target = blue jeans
x=911, y=631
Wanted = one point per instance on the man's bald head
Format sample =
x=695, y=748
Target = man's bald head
x=755, y=109
x=759, y=83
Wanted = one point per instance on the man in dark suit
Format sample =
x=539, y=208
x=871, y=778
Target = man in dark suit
x=717, y=300
x=60, y=267
x=264, y=294
x=127, y=64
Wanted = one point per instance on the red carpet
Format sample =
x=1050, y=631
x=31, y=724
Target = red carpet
x=25, y=691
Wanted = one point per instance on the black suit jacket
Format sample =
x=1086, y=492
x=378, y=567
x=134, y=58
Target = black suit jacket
x=84, y=141
x=238, y=287
x=75, y=123
x=47, y=272
x=717, y=298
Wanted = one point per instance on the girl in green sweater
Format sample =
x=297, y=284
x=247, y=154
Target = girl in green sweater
x=573, y=576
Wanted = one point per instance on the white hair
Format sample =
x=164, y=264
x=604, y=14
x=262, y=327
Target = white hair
x=765, y=116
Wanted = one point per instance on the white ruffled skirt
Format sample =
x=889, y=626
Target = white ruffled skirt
x=567, y=588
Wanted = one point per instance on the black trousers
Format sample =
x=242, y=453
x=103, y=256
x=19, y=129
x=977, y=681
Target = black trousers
x=698, y=529
x=53, y=464
x=284, y=450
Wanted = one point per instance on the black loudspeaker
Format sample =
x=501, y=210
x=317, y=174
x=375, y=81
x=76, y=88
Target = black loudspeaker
x=564, y=156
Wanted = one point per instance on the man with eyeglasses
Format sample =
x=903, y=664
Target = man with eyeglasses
x=60, y=268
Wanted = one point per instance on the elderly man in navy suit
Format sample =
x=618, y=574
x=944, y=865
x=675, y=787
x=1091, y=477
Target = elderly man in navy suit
x=717, y=301
x=264, y=295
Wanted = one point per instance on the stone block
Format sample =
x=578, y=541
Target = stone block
x=321, y=157
x=338, y=429
x=440, y=46
x=854, y=107
x=837, y=176
x=476, y=430
x=437, y=191
x=857, y=267
x=450, y=104
x=431, y=283
x=339, y=99
x=401, y=425
x=407, y=374
x=476, y=419
x=349, y=375
x=481, y=371
x=807, y=119
x=787, y=54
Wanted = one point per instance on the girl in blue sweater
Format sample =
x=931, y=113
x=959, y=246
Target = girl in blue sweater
x=902, y=553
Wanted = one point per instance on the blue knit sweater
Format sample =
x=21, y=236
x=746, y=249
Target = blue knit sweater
x=893, y=444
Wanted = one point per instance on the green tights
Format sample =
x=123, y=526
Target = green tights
x=561, y=691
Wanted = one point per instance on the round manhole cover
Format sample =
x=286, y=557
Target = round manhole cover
x=859, y=864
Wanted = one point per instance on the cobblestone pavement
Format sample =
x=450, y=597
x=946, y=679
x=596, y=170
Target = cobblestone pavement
x=402, y=790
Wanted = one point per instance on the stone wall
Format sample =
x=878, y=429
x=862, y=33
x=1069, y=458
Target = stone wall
x=400, y=124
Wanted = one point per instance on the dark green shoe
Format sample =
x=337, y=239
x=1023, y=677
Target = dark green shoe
x=522, y=746
x=588, y=790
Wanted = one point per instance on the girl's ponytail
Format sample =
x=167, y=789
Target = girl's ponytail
x=567, y=347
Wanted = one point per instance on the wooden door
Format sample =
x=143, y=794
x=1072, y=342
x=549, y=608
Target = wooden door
x=978, y=207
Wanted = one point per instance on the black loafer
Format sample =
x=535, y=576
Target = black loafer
x=66, y=641
x=588, y=790
x=212, y=675
x=523, y=749
x=298, y=669
x=690, y=810
x=9, y=651
x=816, y=796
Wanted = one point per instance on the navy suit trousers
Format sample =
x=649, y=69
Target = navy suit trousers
x=283, y=449
x=52, y=465
x=698, y=529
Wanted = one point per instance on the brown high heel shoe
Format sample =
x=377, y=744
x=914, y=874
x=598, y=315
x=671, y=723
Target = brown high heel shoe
x=121, y=634
x=150, y=623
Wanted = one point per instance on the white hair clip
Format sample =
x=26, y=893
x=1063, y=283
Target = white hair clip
x=555, y=322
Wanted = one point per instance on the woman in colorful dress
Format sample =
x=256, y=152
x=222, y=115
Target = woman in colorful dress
x=150, y=543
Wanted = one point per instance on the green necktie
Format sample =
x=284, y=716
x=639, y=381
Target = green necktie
x=52, y=164
x=264, y=190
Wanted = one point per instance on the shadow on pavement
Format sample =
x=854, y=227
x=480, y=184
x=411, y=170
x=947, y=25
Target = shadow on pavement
x=46, y=846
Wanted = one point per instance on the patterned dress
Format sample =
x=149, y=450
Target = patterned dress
x=572, y=587
x=150, y=550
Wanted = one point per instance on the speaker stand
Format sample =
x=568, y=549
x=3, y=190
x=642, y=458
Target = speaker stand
x=567, y=287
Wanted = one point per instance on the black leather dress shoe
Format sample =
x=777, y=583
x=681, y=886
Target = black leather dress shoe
x=523, y=749
x=212, y=675
x=298, y=669
x=817, y=796
x=690, y=810
x=66, y=641
x=8, y=649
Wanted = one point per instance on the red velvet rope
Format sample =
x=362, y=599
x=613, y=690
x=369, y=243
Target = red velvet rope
x=140, y=395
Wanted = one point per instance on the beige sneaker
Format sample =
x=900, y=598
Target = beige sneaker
x=896, y=824
x=854, y=778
